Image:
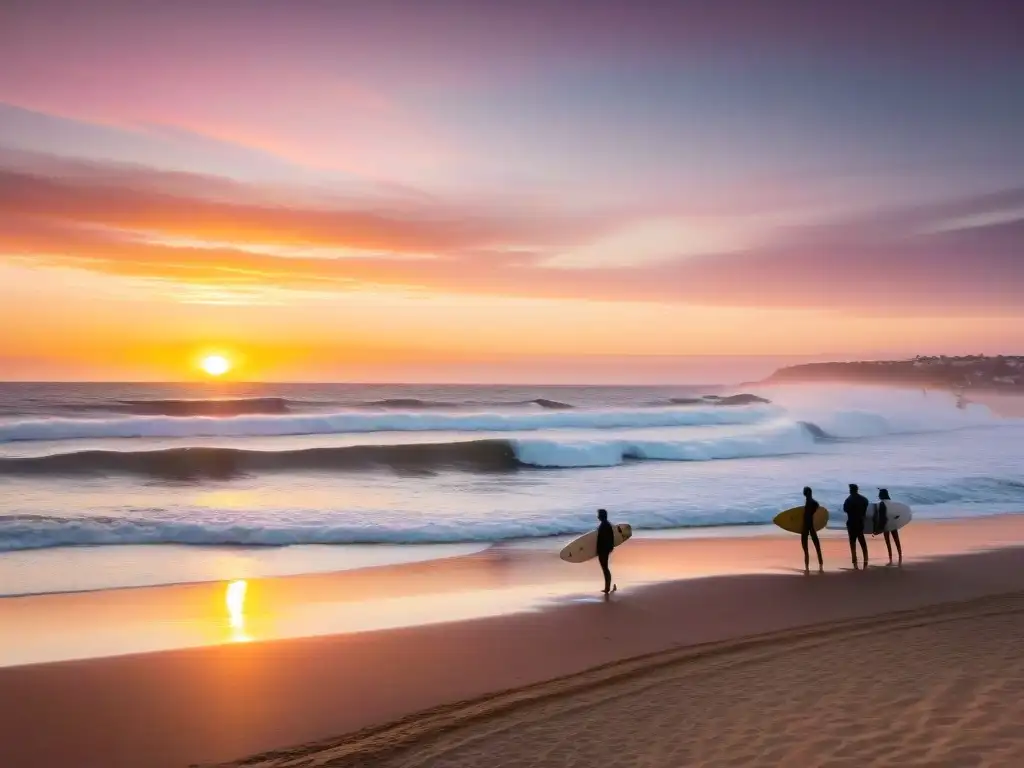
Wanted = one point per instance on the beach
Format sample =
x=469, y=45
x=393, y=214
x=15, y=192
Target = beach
x=726, y=654
x=369, y=575
x=943, y=699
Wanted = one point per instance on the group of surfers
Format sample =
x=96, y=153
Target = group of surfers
x=855, y=507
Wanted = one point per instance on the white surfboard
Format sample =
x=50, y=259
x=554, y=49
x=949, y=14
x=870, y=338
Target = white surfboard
x=585, y=547
x=897, y=515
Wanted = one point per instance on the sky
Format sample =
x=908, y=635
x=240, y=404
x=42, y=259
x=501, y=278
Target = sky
x=582, y=190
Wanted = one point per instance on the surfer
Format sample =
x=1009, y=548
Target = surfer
x=880, y=518
x=856, y=509
x=810, y=507
x=605, y=545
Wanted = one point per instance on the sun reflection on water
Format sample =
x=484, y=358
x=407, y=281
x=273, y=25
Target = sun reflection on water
x=234, y=599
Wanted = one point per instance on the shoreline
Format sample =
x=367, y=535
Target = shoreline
x=495, y=581
x=311, y=559
x=33, y=569
x=229, y=699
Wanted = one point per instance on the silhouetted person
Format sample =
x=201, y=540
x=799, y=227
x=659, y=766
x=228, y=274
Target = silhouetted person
x=880, y=520
x=605, y=545
x=810, y=507
x=856, y=509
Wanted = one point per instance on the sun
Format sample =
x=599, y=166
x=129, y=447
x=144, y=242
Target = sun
x=215, y=365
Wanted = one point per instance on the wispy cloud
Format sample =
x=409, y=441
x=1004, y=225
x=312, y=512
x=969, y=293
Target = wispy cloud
x=200, y=231
x=191, y=206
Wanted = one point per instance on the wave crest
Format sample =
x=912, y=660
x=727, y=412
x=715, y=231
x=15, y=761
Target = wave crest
x=412, y=404
x=354, y=422
x=224, y=463
x=726, y=400
x=222, y=407
x=216, y=407
x=22, y=532
x=198, y=463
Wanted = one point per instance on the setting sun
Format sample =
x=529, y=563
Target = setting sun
x=215, y=365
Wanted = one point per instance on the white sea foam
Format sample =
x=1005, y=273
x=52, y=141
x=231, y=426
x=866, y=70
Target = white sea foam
x=863, y=412
x=286, y=527
x=780, y=440
x=930, y=454
x=351, y=422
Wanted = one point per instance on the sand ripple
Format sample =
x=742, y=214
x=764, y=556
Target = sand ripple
x=937, y=687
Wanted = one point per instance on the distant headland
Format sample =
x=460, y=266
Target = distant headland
x=1003, y=372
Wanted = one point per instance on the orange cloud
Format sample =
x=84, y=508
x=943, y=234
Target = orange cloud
x=119, y=203
x=125, y=224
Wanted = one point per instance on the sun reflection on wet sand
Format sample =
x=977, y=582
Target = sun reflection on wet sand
x=502, y=580
x=234, y=599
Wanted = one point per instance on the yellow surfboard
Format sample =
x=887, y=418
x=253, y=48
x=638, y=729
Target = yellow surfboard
x=792, y=520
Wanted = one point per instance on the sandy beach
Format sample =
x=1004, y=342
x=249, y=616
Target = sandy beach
x=934, y=687
x=718, y=659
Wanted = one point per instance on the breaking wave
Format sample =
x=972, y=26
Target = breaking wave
x=726, y=400
x=214, y=463
x=23, y=532
x=354, y=422
x=197, y=463
x=412, y=403
x=221, y=407
x=248, y=406
x=237, y=407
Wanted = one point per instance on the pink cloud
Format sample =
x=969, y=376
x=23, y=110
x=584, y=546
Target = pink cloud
x=847, y=266
x=137, y=201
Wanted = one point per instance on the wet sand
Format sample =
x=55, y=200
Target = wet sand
x=224, y=701
x=508, y=578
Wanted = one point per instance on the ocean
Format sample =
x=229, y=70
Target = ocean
x=111, y=485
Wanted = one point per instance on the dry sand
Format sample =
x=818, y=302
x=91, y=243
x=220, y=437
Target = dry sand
x=935, y=687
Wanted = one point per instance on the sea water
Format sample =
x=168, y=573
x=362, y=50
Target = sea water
x=302, y=478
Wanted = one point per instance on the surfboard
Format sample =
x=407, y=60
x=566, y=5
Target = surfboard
x=792, y=520
x=897, y=515
x=585, y=547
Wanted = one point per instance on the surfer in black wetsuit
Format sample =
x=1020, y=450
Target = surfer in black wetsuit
x=810, y=507
x=856, y=509
x=605, y=545
x=880, y=518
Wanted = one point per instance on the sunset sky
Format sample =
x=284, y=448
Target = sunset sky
x=537, y=190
